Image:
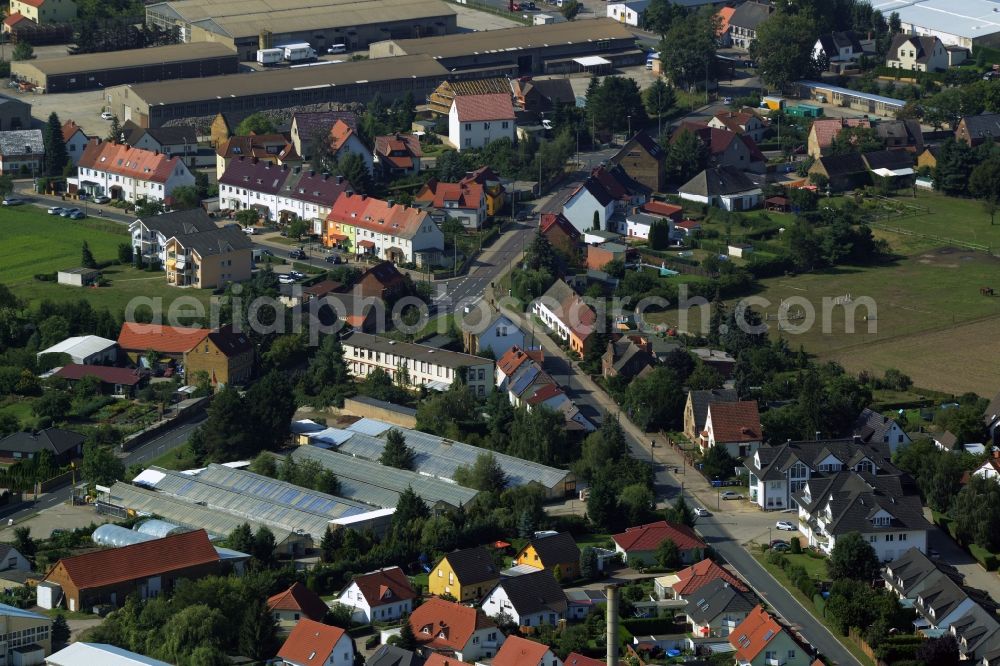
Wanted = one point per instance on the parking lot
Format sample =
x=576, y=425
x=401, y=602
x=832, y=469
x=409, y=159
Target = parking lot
x=84, y=108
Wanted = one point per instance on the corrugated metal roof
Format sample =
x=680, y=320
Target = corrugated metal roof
x=379, y=485
x=371, y=427
x=440, y=457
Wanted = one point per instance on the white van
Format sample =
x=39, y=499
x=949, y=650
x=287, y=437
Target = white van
x=651, y=58
x=337, y=48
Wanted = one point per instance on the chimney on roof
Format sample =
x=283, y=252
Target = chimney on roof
x=312, y=173
x=857, y=439
x=156, y=152
x=326, y=175
x=818, y=433
x=340, y=180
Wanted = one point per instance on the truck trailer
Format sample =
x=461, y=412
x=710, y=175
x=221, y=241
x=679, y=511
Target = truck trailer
x=298, y=52
x=270, y=56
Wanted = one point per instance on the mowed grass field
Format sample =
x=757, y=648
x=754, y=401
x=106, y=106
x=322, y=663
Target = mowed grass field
x=32, y=242
x=949, y=218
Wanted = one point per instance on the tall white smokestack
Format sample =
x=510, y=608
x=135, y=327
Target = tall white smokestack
x=612, y=638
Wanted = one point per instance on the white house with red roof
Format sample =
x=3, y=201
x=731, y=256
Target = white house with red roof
x=638, y=544
x=129, y=174
x=75, y=140
x=295, y=603
x=517, y=651
x=391, y=231
x=397, y=155
x=570, y=318
x=609, y=193
x=734, y=425
x=382, y=595
x=686, y=582
x=343, y=140
x=448, y=628
x=991, y=468
x=465, y=201
x=315, y=644
x=760, y=640
x=475, y=120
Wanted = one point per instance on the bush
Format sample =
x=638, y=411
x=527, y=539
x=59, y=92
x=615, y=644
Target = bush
x=45, y=277
x=985, y=558
x=647, y=626
x=795, y=546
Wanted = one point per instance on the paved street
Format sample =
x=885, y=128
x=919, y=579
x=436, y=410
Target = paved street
x=733, y=524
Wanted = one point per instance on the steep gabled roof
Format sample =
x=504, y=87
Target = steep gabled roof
x=255, y=175
x=848, y=164
x=700, y=400
x=216, y=241
x=871, y=426
x=472, y=565
x=832, y=42
x=571, y=310
x=311, y=643
x=556, y=549
x=377, y=215
x=311, y=123
x=888, y=159
x=752, y=635
x=517, y=651
x=299, y=599
x=923, y=45
x=385, y=586
x=750, y=14
x=176, y=552
x=445, y=625
x=826, y=129
x=735, y=421
x=179, y=222
x=70, y=128
x=984, y=125
x=548, y=221
x=478, y=108
x=319, y=188
x=718, y=181
x=122, y=160
x=54, y=440
x=647, y=537
x=534, y=592
x=465, y=195
x=696, y=576
x=714, y=598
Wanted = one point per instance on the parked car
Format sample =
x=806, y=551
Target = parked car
x=702, y=512
x=785, y=525
x=77, y=215
x=102, y=199
x=780, y=546
x=107, y=115
x=68, y=212
x=297, y=254
x=333, y=259
x=727, y=100
x=731, y=495
x=250, y=231
x=55, y=210
x=12, y=201
x=286, y=279
x=296, y=275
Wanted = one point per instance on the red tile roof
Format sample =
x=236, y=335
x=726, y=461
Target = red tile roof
x=159, y=338
x=34, y=3
x=696, y=576
x=436, y=659
x=826, y=129
x=145, y=165
x=517, y=651
x=724, y=15
x=271, y=147
x=545, y=392
x=467, y=195
x=515, y=356
x=661, y=208
x=14, y=19
x=688, y=224
x=647, y=537
x=385, y=586
x=735, y=421
x=310, y=643
x=445, y=625
x=340, y=134
x=476, y=108
x=483, y=175
x=102, y=568
x=549, y=221
x=577, y=659
x=398, y=149
x=753, y=634
x=107, y=374
x=70, y=128
x=735, y=121
x=376, y=215
x=299, y=599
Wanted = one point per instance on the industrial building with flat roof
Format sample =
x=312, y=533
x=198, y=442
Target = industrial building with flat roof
x=153, y=104
x=90, y=71
x=439, y=457
x=246, y=25
x=550, y=48
x=376, y=484
x=965, y=23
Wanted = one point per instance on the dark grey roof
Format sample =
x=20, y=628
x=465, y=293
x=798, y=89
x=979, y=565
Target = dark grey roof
x=556, y=549
x=974, y=630
x=534, y=593
x=180, y=222
x=714, y=598
x=4, y=99
x=718, y=181
x=700, y=400
x=983, y=125
x=390, y=655
x=309, y=123
x=855, y=499
x=832, y=42
x=992, y=412
x=924, y=46
x=473, y=565
x=888, y=159
x=750, y=14
x=941, y=597
x=905, y=572
x=172, y=136
x=843, y=165
x=216, y=241
x=775, y=460
x=55, y=440
x=555, y=90
x=22, y=142
x=871, y=426
x=382, y=404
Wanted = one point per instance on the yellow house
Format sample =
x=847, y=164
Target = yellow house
x=341, y=235
x=928, y=158
x=466, y=575
x=496, y=194
x=209, y=259
x=549, y=551
x=44, y=11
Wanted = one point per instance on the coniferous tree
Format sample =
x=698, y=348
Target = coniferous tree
x=56, y=157
x=87, y=257
x=257, y=631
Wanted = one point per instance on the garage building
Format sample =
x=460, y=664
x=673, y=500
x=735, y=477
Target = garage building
x=246, y=25
x=153, y=104
x=965, y=23
x=539, y=49
x=90, y=71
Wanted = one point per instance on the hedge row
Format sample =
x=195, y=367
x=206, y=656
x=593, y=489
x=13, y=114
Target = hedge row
x=795, y=572
x=985, y=558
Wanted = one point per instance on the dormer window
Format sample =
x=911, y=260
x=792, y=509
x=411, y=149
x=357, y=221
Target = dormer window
x=881, y=521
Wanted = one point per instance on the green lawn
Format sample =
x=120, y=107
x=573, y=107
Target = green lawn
x=32, y=241
x=949, y=218
x=180, y=458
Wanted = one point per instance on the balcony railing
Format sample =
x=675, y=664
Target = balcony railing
x=774, y=661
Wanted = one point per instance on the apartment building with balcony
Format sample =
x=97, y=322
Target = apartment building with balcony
x=208, y=259
x=129, y=174
x=150, y=234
